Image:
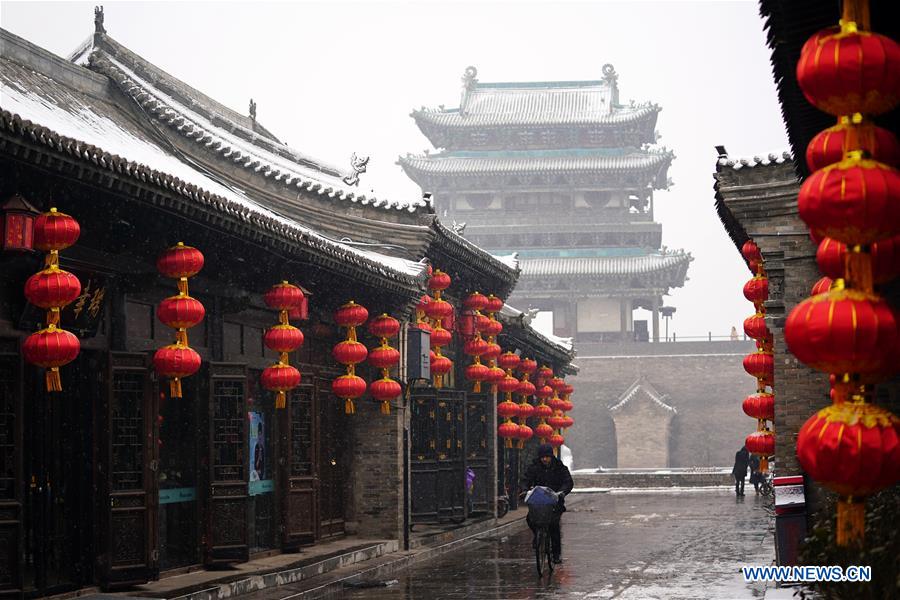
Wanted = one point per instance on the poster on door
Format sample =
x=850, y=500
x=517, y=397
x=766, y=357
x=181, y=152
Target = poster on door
x=259, y=483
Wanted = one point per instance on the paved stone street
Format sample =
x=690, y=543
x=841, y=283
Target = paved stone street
x=615, y=545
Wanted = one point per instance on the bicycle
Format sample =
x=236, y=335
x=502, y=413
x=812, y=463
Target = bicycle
x=541, y=516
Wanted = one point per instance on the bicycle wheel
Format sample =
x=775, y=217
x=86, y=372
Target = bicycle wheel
x=540, y=555
x=502, y=508
x=548, y=553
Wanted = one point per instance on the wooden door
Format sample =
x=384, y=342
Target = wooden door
x=126, y=473
x=228, y=469
x=423, y=456
x=332, y=472
x=11, y=488
x=450, y=464
x=476, y=450
x=297, y=475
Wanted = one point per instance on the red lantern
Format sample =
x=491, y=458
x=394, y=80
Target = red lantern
x=52, y=288
x=180, y=261
x=385, y=390
x=760, y=405
x=17, y=225
x=180, y=312
x=384, y=326
x=441, y=365
x=544, y=392
x=844, y=71
x=545, y=372
x=283, y=296
x=543, y=431
x=475, y=347
x=349, y=352
x=422, y=303
x=761, y=443
x=855, y=201
x=351, y=315
x=493, y=328
x=556, y=421
x=556, y=440
x=509, y=431
x=283, y=338
x=384, y=357
x=475, y=301
x=844, y=331
x=508, y=409
x=557, y=383
x=55, y=231
x=494, y=304
x=508, y=361
x=822, y=286
x=492, y=352
x=438, y=281
x=750, y=252
x=527, y=366
x=830, y=145
x=556, y=403
x=542, y=411
x=755, y=327
x=851, y=448
x=477, y=373
x=757, y=290
x=567, y=405
x=495, y=375
x=831, y=256
x=51, y=348
x=176, y=361
x=761, y=365
x=568, y=421
x=526, y=388
x=508, y=384
x=438, y=309
x=349, y=387
x=525, y=433
x=280, y=378
x=440, y=337
x=526, y=410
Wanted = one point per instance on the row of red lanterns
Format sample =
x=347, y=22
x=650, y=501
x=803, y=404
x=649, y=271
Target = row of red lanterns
x=759, y=364
x=851, y=203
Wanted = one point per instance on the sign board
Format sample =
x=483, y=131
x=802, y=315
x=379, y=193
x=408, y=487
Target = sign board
x=418, y=354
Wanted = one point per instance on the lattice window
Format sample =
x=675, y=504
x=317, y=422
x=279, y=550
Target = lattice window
x=229, y=423
x=126, y=431
x=301, y=434
x=8, y=401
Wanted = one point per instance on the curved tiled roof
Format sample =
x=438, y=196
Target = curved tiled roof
x=607, y=266
x=256, y=153
x=600, y=160
x=757, y=161
x=551, y=109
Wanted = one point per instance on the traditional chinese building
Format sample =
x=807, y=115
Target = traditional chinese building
x=112, y=482
x=564, y=174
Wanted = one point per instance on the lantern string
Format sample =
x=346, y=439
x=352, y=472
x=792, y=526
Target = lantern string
x=851, y=521
x=855, y=15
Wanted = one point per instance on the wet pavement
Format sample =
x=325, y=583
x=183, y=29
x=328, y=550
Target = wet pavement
x=627, y=546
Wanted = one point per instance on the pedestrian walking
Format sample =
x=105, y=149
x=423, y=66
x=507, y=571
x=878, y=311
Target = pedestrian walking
x=547, y=470
x=756, y=477
x=741, y=464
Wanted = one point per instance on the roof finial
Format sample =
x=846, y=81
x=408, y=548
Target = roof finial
x=98, y=20
x=612, y=80
x=252, y=110
x=470, y=80
x=358, y=164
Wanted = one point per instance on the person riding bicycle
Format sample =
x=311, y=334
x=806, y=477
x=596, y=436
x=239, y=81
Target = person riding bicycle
x=547, y=470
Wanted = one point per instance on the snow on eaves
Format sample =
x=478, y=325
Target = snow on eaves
x=643, y=386
x=566, y=345
x=198, y=128
x=64, y=122
x=510, y=260
x=773, y=158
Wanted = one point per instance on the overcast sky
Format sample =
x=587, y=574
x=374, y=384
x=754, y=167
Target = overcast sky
x=332, y=78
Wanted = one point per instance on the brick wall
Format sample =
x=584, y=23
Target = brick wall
x=704, y=382
x=375, y=490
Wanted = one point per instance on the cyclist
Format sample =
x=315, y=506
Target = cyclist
x=547, y=470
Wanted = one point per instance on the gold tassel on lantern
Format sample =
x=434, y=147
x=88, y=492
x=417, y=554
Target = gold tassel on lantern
x=851, y=521
x=280, y=399
x=52, y=380
x=175, y=387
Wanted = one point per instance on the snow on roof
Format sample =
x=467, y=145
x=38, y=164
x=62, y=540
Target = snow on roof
x=566, y=344
x=44, y=102
x=510, y=260
x=773, y=158
x=298, y=170
x=642, y=385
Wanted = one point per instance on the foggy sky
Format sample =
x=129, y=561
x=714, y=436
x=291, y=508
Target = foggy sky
x=333, y=78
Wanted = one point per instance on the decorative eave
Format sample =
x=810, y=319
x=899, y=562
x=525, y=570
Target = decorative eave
x=258, y=155
x=519, y=333
x=642, y=389
x=788, y=26
x=635, y=169
x=757, y=184
x=475, y=268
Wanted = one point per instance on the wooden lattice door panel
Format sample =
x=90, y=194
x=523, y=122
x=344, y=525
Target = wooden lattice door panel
x=451, y=465
x=228, y=475
x=127, y=474
x=332, y=464
x=423, y=456
x=476, y=450
x=10, y=475
x=297, y=469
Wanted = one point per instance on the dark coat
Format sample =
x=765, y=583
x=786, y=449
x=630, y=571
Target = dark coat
x=741, y=463
x=556, y=476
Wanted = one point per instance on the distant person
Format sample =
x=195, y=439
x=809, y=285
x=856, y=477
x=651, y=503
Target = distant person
x=734, y=333
x=259, y=460
x=756, y=477
x=741, y=464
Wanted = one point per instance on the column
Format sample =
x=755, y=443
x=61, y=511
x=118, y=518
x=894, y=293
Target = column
x=654, y=306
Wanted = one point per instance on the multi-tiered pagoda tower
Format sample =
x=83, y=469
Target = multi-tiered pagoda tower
x=564, y=174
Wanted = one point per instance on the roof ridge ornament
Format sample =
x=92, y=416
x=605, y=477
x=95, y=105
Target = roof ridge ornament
x=470, y=81
x=252, y=111
x=612, y=80
x=98, y=20
x=358, y=164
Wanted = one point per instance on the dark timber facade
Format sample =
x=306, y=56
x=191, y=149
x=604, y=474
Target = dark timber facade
x=564, y=174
